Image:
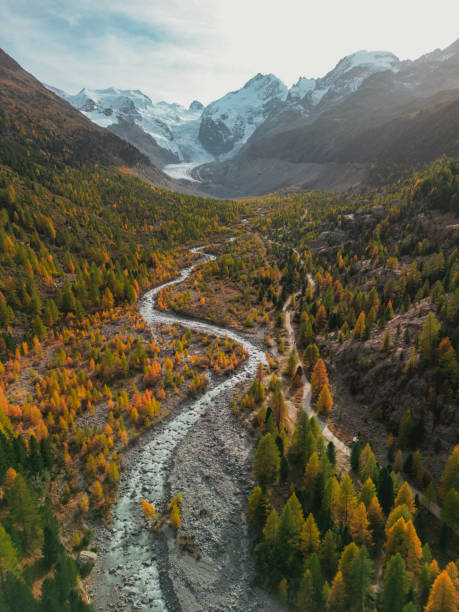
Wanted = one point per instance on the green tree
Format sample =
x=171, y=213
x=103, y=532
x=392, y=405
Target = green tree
x=360, y=575
x=266, y=460
x=395, y=585
x=8, y=555
x=23, y=511
x=428, y=338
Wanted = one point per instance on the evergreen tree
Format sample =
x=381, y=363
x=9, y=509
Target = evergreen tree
x=360, y=575
x=329, y=554
x=8, y=555
x=266, y=460
x=51, y=546
x=395, y=585
x=305, y=599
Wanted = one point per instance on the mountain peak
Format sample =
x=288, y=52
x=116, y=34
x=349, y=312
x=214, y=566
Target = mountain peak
x=196, y=105
x=376, y=61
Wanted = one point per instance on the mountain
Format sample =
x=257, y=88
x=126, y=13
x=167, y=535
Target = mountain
x=368, y=115
x=36, y=125
x=171, y=130
x=228, y=123
x=371, y=109
x=173, y=133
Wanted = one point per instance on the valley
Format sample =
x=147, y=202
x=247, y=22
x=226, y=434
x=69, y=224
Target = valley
x=233, y=404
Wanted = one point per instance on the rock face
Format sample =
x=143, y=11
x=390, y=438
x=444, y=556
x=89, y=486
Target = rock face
x=86, y=560
x=229, y=122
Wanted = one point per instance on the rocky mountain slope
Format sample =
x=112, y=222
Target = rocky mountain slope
x=31, y=114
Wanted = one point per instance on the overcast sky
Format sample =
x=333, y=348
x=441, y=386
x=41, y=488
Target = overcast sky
x=179, y=50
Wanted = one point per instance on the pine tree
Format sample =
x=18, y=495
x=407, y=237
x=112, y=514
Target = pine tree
x=361, y=574
x=266, y=460
x=24, y=513
x=442, y=596
x=345, y=562
x=305, y=599
x=258, y=509
x=450, y=475
x=450, y=508
x=331, y=453
x=8, y=555
x=395, y=585
x=310, y=536
x=385, y=490
x=329, y=554
x=298, y=450
x=376, y=518
x=428, y=338
x=51, y=546
x=289, y=531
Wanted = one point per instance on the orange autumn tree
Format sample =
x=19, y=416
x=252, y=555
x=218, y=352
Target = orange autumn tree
x=319, y=376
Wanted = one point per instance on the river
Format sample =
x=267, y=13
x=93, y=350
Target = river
x=201, y=451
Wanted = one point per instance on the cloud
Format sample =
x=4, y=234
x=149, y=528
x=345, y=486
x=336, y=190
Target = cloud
x=179, y=50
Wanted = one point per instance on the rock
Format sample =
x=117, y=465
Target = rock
x=86, y=560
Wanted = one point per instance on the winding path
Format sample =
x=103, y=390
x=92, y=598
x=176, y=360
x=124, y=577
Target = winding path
x=132, y=572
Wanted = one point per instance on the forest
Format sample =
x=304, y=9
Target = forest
x=353, y=417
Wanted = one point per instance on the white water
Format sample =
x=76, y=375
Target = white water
x=131, y=566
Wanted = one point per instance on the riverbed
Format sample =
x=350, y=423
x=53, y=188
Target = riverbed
x=201, y=451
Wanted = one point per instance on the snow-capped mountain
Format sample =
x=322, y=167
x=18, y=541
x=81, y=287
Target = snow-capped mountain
x=228, y=123
x=172, y=126
x=178, y=138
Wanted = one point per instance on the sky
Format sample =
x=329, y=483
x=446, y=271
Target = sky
x=181, y=50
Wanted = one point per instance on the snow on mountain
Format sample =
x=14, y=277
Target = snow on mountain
x=349, y=74
x=302, y=87
x=174, y=127
x=228, y=123
x=198, y=135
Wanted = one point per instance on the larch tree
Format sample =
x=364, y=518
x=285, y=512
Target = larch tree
x=360, y=327
x=405, y=497
x=271, y=527
x=310, y=536
x=346, y=501
x=319, y=376
x=325, y=401
x=367, y=492
x=442, y=596
x=359, y=525
x=337, y=598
